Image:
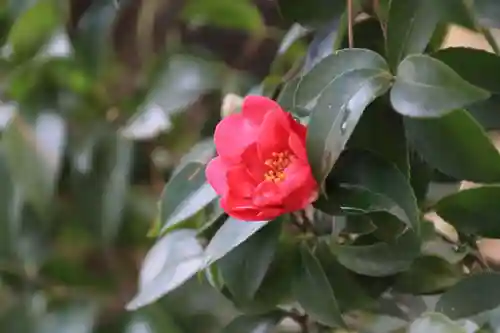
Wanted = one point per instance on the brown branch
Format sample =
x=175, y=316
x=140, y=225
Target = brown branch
x=350, y=19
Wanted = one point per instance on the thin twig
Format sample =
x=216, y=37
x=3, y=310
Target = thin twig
x=350, y=19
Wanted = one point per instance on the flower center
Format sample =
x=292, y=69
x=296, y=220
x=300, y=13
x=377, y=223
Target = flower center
x=277, y=165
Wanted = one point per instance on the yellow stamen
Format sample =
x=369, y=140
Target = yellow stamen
x=277, y=165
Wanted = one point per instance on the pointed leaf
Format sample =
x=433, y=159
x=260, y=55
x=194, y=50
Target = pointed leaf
x=232, y=233
x=426, y=87
x=244, y=268
x=314, y=293
x=442, y=143
x=253, y=324
x=173, y=260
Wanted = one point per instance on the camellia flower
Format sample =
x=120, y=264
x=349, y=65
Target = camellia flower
x=262, y=169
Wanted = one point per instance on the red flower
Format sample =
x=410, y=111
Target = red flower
x=262, y=169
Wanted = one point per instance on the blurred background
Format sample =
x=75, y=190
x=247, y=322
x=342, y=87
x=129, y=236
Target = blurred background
x=100, y=102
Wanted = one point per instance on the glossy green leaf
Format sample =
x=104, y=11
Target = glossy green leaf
x=380, y=259
x=428, y=274
x=337, y=113
x=232, y=233
x=35, y=26
x=435, y=323
x=473, y=211
x=425, y=88
x=474, y=294
x=442, y=143
x=173, y=260
x=34, y=156
x=302, y=91
x=244, y=268
x=253, y=324
x=314, y=293
x=186, y=193
x=410, y=27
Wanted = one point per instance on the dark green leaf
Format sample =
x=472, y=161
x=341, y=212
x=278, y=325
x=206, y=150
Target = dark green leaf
x=232, y=233
x=253, y=324
x=443, y=144
x=435, y=323
x=473, y=211
x=475, y=294
x=316, y=13
x=173, y=260
x=428, y=274
x=314, y=293
x=382, y=179
x=337, y=113
x=348, y=292
x=420, y=177
x=488, y=12
x=381, y=131
x=244, y=268
x=34, y=156
x=302, y=91
x=409, y=28
x=184, y=195
x=426, y=87
x=380, y=259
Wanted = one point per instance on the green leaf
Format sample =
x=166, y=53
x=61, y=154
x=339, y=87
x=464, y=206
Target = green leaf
x=244, y=268
x=34, y=27
x=302, y=91
x=435, y=323
x=488, y=12
x=381, y=131
x=420, y=177
x=474, y=294
x=380, y=259
x=433, y=244
x=253, y=324
x=479, y=69
x=34, y=156
x=409, y=28
x=154, y=318
x=383, y=180
x=173, y=260
x=337, y=113
x=186, y=193
x=240, y=15
x=316, y=13
x=314, y=293
x=349, y=293
x=428, y=274
x=232, y=233
x=426, y=87
x=473, y=211
x=442, y=143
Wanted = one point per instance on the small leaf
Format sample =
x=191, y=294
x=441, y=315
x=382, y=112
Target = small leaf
x=337, y=113
x=473, y=295
x=426, y=87
x=428, y=274
x=253, y=324
x=380, y=259
x=442, y=143
x=232, y=233
x=435, y=323
x=244, y=268
x=473, y=211
x=314, y=293
x=409, y=28
x=173, y=260
x=184, y=195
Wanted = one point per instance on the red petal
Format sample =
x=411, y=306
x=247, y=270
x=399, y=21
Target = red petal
x=297, y=127
x=255, y=166
x=239, y=208
x=215, y=173
x=240, y=182
x=298, y=147
x=232, y=136
x=267, y=194
x=256, y=107
x=273, y=134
